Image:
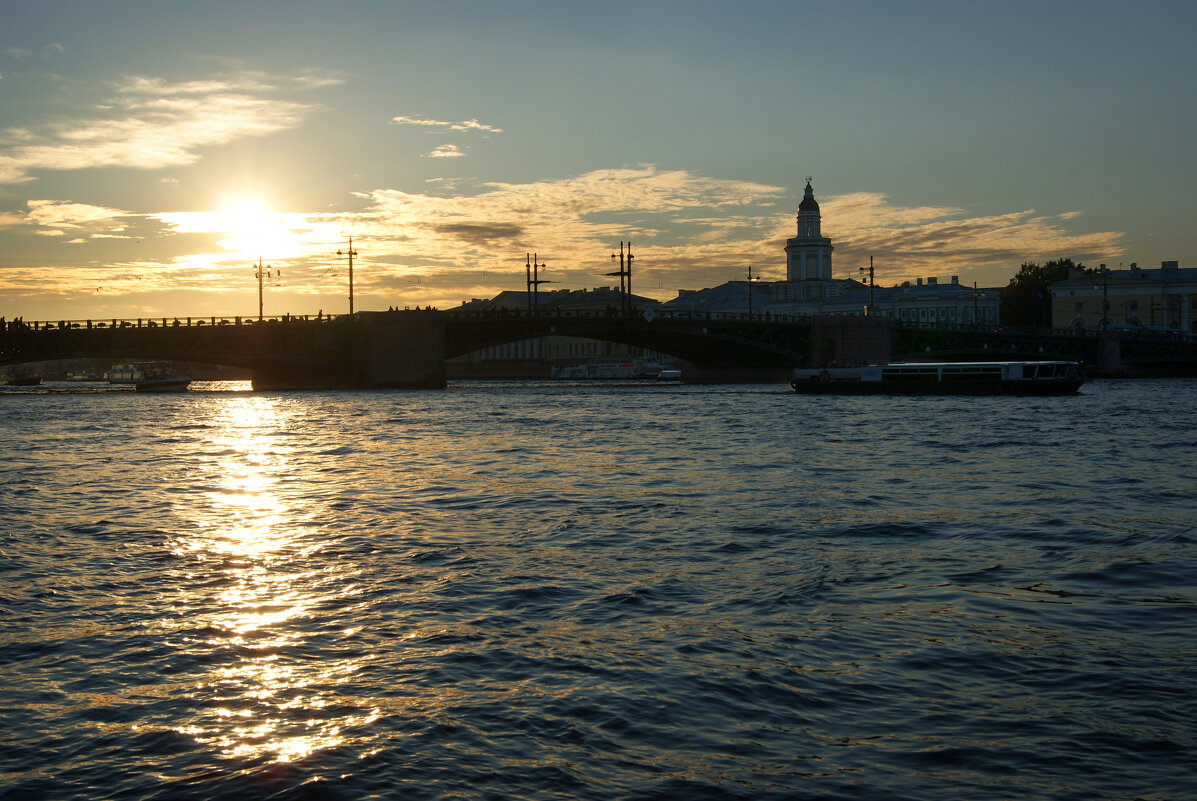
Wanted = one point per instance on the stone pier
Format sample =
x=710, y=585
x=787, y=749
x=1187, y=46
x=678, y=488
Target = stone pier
x=850, y=340
x=371, y=350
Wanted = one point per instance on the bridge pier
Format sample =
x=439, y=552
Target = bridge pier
x=1109, y=354
x=372, y=350
x=850, y=340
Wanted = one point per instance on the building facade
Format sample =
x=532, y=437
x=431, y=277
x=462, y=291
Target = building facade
x=1163, y=299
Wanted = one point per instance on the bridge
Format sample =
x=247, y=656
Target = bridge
x=409, y=348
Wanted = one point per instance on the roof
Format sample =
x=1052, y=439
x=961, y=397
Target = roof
x=1171, y=275
x=808, y=200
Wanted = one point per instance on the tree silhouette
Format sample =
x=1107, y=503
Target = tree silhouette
x=1027, y=299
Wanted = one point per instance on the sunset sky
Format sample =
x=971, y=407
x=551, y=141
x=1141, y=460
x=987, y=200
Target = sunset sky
x=151, y=152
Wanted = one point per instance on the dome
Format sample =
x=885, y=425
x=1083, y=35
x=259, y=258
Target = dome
x=808, y=200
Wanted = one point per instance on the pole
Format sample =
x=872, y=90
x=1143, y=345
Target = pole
x=1105, y=296
x=869, y=308
x=630, y=257
x=350, y=253
x=259, y=289
x=871, y=284
x=750, y=292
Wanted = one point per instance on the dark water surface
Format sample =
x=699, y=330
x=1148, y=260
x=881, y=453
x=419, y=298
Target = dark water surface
x=598, y=592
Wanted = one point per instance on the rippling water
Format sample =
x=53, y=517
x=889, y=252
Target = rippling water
x=537, y=591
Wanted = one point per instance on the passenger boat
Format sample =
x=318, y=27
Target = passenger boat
x=942, y=378
x=162, y=382
x=25, y=380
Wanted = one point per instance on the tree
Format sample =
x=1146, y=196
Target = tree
x=1027, y=299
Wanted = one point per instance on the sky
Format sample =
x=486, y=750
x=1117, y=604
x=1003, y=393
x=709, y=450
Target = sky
x=151, y=153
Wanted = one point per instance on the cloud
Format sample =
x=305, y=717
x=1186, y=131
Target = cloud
x=912, y=241
x=467, y=125
x=445, y=152
x=152, y=123
x=446, y=245
x=57, y=214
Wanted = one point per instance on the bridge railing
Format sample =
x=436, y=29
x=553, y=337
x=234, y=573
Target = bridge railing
x=163, y=322
x=616, y=314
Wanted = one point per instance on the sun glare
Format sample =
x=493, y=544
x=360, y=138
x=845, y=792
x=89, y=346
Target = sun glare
x=250, y=229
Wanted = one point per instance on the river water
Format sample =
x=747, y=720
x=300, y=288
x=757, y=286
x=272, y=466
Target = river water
x=591, y=591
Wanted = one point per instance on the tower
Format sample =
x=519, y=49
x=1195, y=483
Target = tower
x=808, y=255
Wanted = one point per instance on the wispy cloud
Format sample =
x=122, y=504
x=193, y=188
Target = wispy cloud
x=468, y=125
x=152, y=123
x=689, y=231
x=445, y=152
x=62, y=215
x=916, y=241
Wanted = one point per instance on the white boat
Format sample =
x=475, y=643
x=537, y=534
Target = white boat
x=942, y=378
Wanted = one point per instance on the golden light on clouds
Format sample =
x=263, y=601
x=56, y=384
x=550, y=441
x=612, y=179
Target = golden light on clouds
x=454, y=242
x=152, y=123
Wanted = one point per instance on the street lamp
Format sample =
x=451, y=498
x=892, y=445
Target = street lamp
x=869, y=309
x=625, y=302
x=750, y=280
x=532, y=269
x=350, y=253
x=262, y=273
x=1105, y=296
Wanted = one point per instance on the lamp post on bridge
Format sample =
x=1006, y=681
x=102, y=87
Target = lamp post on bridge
x=869, y=308
x=350, y=253
x=262, y=273
x=750, y=280
x=1105, y=296
x=532, y=271
x=625, y=297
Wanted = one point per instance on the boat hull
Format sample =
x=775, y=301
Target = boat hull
x=163, y=385
x=943, y=378
x=1025, y=388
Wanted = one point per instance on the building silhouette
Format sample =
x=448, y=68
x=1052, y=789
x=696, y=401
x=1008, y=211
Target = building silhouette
x=810, y=288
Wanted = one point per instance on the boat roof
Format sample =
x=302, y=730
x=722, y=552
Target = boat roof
x=977, y=364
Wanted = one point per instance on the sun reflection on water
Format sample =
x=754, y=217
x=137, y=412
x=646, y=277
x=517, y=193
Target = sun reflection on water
x=260, y=581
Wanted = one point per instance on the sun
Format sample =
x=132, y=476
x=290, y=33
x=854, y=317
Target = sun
x=249, y=228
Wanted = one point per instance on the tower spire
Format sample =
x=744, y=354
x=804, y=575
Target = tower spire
x=808, y=255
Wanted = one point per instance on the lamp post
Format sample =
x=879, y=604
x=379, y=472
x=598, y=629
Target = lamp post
x=532, y=269
x=261, y=273
x=350, y=253
x=1105, y=296
x=750, y=280
x=869, y=308
x=625, y=301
